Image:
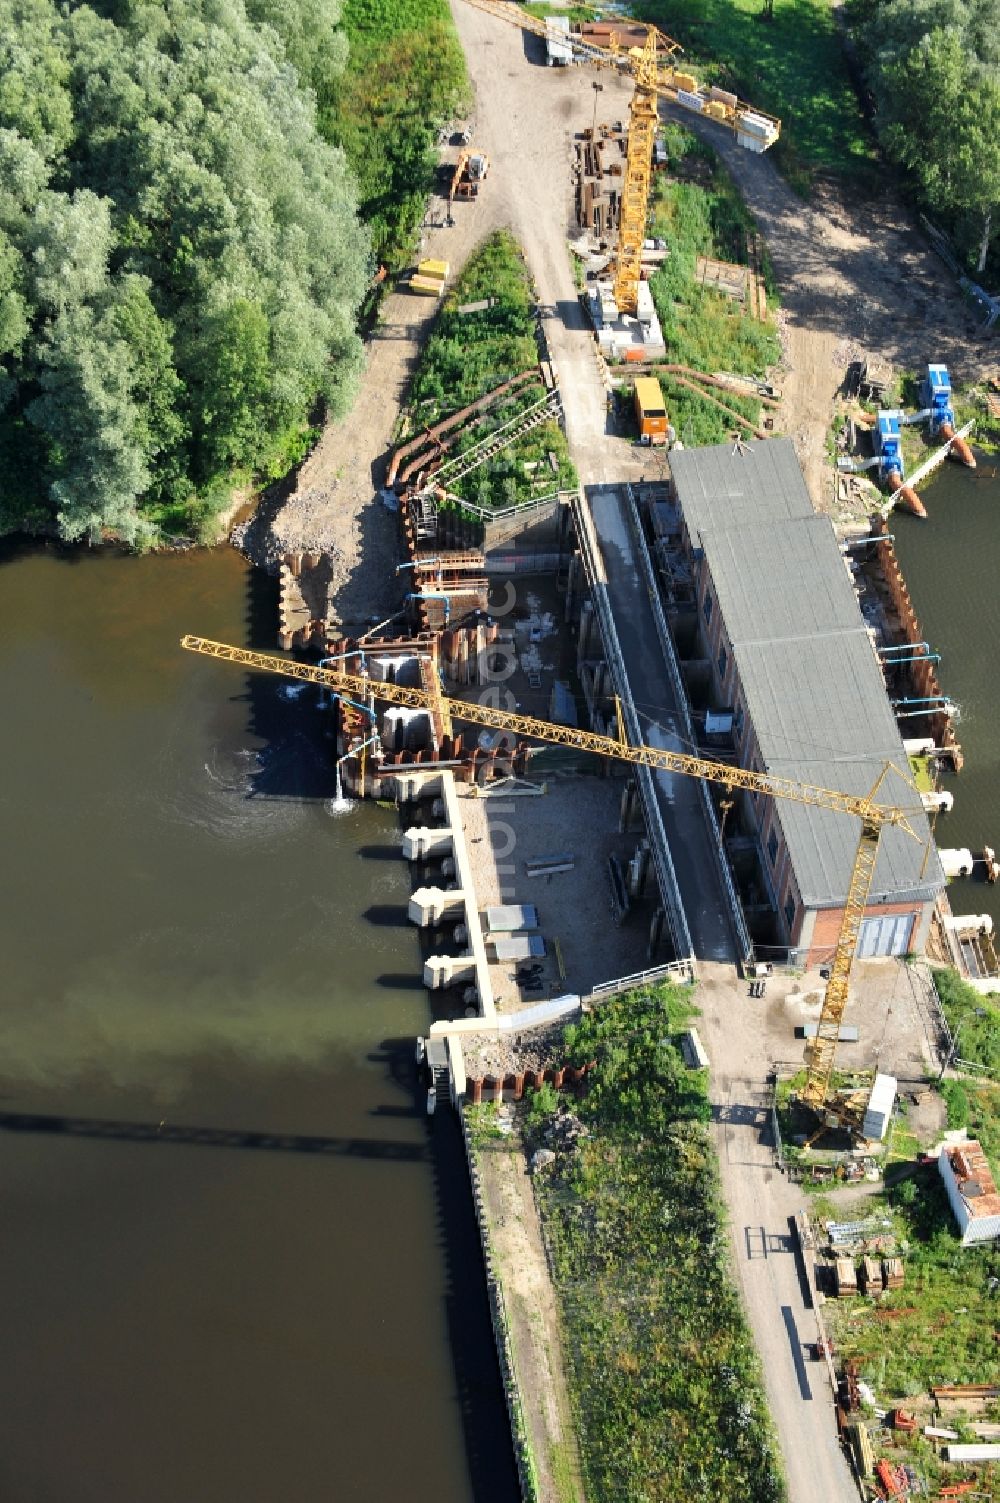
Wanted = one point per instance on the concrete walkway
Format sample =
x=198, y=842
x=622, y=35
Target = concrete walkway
x=761, y=1204
x=651, y=692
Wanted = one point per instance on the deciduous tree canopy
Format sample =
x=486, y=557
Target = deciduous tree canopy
x=934, y=69
x=181, y=257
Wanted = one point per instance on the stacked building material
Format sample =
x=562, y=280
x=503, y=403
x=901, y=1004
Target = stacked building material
x=845, y=1276
x=871, y=1275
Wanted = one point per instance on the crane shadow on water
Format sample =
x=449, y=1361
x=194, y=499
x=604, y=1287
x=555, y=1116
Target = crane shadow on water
x=54, y=1124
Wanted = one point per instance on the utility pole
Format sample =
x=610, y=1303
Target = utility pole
x=598, y=88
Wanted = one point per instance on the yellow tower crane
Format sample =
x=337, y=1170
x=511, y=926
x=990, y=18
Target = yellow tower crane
x=874, y=817
x=634, y=208
x=652, y=68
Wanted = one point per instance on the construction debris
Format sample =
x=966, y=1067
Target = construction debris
x=871, y=1276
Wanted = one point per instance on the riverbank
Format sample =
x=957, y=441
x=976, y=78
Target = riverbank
x=191, y=937
x=951, y=564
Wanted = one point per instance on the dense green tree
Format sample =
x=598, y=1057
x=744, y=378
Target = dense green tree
x=955, y=156
x=34, y=72
x=181, y=258
x=311, y=36
x=934, y=69
x=85, y=409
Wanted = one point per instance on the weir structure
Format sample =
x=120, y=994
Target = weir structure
x=874, y=817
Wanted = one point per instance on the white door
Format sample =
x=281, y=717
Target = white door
x=887, y=935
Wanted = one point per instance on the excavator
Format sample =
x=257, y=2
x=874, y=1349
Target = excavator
x=830, y=1107
x=655, y=76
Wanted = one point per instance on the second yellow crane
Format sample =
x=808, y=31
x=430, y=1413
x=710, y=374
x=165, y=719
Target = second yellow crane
x=652, y=69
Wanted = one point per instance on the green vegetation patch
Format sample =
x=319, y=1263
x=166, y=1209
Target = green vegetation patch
x=470, y=354
x=974, y=1021
x=576, y=13
x=791, y=66
x=922, y=773
x=936, y=77
x=405, y=77
x=664, y=1376
x=699, y=213
x=976, y=1107
x=947, y=1307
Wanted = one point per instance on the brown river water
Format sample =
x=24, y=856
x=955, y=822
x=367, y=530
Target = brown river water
x=951, y=564
x=189, y=937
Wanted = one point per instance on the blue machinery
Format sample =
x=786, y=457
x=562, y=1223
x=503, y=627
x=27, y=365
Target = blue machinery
x=937, y=412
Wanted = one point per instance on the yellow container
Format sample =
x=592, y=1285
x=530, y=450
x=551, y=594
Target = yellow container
x=426, y=286
x=436, y=269
x=687, y=82
x=715, y=110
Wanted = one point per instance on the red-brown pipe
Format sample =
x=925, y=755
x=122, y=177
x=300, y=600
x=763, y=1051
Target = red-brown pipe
x=906, y=496
x=959, y=448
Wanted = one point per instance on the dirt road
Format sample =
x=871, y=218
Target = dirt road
x=856, y=278
x=524, y=119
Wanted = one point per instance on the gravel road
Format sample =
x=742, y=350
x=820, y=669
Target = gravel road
x=856, y=278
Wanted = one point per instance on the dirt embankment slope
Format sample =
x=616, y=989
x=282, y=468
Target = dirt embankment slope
x=856, y=278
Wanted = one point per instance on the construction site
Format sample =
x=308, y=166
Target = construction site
x=676, y=722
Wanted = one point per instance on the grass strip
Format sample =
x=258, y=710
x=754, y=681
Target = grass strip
x=665, y=1379
x=791, y=65
x=974, y=1021
x=469, y=354
x=405, y=77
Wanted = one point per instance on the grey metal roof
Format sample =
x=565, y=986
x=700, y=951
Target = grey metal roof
x=727, y=485
x=781, y=581
x=821, y=716
x=812, y=685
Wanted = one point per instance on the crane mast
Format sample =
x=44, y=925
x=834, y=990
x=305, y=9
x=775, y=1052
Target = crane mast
x=643, y=115
x=874, y=817
x=653, y=82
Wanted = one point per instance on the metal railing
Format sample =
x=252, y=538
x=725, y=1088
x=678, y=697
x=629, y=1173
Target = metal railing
x=501, y=438
x=741, y=932
x=673, y=907
x=674, y=970
x=505, y=513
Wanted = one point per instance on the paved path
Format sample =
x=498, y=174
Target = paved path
x=762, y=1205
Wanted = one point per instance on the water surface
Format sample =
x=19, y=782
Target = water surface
x=951, y=564
x=190, y=936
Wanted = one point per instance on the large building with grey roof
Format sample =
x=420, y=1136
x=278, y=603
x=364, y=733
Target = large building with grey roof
x=791, y=657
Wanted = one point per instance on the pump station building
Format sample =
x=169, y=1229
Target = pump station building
x=792, y=659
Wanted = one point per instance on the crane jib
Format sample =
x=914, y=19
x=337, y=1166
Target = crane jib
x=658, y=758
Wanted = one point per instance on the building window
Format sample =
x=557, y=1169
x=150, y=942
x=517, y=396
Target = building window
x=772, y=847
x=790, y=915
x=707, y=606
x=721, y=665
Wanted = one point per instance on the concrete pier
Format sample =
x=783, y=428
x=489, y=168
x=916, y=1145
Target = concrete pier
x=457, y=904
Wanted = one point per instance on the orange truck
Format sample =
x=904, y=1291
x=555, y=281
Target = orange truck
x=650, y=411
